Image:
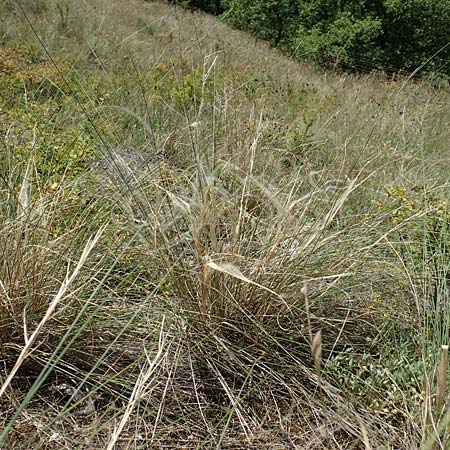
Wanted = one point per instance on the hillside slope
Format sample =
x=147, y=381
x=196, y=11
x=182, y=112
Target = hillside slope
x=208, y=245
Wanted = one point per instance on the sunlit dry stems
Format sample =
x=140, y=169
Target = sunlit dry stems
x=314, y=341
x=305, y=292
x=205, y=285
x=142, y=382
x=441, y=381
x=24, y=193
x=316, y=349
x=61, y=294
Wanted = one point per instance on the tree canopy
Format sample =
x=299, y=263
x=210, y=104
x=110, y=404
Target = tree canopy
x=390, y=34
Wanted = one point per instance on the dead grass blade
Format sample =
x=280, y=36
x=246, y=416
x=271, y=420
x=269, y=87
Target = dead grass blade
x=29, y=341
x=138, y=389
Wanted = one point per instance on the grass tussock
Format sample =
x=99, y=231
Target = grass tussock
x=207, y=245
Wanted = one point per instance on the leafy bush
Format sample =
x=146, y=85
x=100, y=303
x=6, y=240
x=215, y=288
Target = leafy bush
x=388, y=34
x=413, y=31
x=336, y=33
x=210, y=6
x=272, y=20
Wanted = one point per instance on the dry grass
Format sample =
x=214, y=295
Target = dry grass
x=225, y=179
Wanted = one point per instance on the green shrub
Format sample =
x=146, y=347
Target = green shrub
x=272, y=20
x=210, y=6
x=387, y=34
x=342, y=39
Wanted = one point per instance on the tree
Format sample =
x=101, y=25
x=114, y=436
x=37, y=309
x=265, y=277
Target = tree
x=394, y=34
x=413, y=31
x=338, y=32
x=210, y=6
x=273, y=20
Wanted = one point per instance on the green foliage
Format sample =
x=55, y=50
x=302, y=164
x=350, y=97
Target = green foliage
x=414, y=31
x=332, y=33
x=31, y=92
x=272, y=20
x=422, y=221
x=398, y=374
x=210, y=6
x=388, y=34
x=183, y=91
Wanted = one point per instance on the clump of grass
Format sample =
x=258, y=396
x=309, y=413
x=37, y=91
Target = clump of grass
x=225, y=179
